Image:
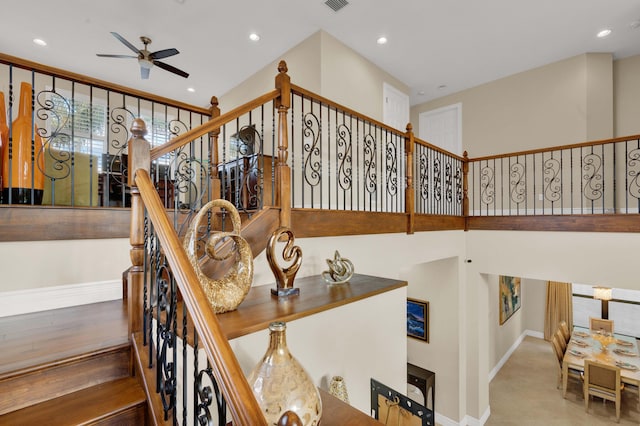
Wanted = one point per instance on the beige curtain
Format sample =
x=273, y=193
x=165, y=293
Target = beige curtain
x=559, y=307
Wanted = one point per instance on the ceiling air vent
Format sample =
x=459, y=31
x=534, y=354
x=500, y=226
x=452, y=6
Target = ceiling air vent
x=336, y=5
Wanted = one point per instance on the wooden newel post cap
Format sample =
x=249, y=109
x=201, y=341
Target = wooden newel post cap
x=214, y=101
x=409, y=127
x=282, y=67
x=138, y=128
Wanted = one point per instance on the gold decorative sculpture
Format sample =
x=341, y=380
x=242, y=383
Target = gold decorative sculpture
x=340, y=270
x=226, y=293
x=284, y=276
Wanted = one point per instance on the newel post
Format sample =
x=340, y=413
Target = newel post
x=409, y=193
x=283, y=172
x=139, y=158
x=214, y=112
x=465, y=189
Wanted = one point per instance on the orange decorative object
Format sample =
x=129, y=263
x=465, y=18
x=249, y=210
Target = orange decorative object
x=23, y=158
x=4, y=135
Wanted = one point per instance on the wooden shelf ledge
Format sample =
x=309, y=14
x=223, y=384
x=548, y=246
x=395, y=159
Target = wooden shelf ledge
x=260, y=308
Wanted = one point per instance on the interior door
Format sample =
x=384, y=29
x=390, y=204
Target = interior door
x=442, y=127
x=395, y=110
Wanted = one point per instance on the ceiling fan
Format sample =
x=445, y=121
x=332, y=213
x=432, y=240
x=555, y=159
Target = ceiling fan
x=147, y=59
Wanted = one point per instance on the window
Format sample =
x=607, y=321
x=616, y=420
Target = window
x=624, y=309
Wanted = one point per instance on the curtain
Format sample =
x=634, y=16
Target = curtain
x=559, y=307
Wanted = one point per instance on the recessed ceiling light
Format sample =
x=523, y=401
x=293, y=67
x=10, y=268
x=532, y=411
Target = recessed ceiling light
x=442, y=87
x=382, y=40
x=39, y=42
x=191, y=89
x=421, y=93
x=604, y=33
x=254, y=37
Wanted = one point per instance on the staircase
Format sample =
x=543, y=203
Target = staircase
x=69, y=366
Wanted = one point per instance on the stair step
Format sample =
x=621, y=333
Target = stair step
x=38, y=338
x=118, y=402
x=49, y=354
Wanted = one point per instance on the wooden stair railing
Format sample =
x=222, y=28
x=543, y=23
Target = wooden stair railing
x=242, y=405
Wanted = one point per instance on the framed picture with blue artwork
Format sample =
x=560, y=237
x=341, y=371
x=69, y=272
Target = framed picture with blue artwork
x=418, y=319
x=510, y=298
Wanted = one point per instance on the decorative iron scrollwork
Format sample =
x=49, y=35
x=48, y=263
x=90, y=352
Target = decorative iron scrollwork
x=633, y=172
x=424, y=176
x=437, y=179
x=448, y=179
x=593, y=187
x=458, y=179
x=370, y=175
x=344, y=145
x=553, y=186
x=205, y=395
x=312, y=152
x=392, y=168
x=517, y=183
x=487, y=184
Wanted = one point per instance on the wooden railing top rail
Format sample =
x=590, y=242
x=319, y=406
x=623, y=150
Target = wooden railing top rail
x=557, y=148
x=438, y=149
x=57, y=72
x=211, y=125
x=304, y=92
x=309, y=94
x=241, y=402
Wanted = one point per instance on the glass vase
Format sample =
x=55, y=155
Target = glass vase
x=281, y=384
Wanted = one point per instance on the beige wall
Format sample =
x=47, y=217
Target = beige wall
x=62, y=262
x=325, y=66
x=626, y=89
x=438, y=283
x=530, y=317
x=556, y=104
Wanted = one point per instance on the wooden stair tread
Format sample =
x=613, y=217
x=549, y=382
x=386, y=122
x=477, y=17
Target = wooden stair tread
x=35, y=339
x=87, y=406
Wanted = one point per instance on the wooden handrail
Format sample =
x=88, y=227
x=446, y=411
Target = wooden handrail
x=557, y=148
x=241, y=402
x=57, y=72
x=211, y=125
x=309, y=94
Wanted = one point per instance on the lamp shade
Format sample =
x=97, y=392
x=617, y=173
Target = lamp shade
x=602, y=293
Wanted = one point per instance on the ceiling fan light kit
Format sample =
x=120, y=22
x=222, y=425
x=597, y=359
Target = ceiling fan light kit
x=147, y=59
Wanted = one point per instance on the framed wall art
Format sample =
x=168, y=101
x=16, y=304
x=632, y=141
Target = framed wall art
x=418, y=319
x=509, y=293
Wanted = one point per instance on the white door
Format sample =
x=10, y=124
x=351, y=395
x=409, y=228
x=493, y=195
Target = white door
x=395, y=109
x=442, y=127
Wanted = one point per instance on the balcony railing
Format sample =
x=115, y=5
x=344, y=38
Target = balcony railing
x=600, y=177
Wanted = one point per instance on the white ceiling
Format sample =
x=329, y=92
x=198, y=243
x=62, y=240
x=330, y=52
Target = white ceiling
x=456, y=43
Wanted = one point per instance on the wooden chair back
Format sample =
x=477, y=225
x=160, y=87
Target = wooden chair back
x=604, y=382
x=564, y=327
x=561, y=340
x=599, y=324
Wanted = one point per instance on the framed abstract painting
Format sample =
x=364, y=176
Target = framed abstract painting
x=418, y=319
x=510, y=298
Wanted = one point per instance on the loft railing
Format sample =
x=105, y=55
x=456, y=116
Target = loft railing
x=593, y=178
x=73, y=150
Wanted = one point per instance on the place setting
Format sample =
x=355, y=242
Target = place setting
x=577, y=353
x=624, y=352
x=580, y=343
x=581, y=334
x=626, y=365
x=624, y=343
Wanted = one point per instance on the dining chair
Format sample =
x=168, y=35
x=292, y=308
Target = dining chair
x=602, y=381
x=599, y=324
x=561, y=340
x=565, y=330
x=557, y=350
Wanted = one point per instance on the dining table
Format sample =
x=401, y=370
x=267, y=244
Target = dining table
x=611, y=349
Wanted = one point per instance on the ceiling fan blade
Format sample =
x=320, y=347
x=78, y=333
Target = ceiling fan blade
x=165, y=53
x=144, y=72
x=126, y=43
x=171, y=68
x=114, y=56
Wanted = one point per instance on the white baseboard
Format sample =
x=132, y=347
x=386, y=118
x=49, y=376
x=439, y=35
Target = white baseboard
x=513, y=347
x=466, y=420
x=46, y=298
